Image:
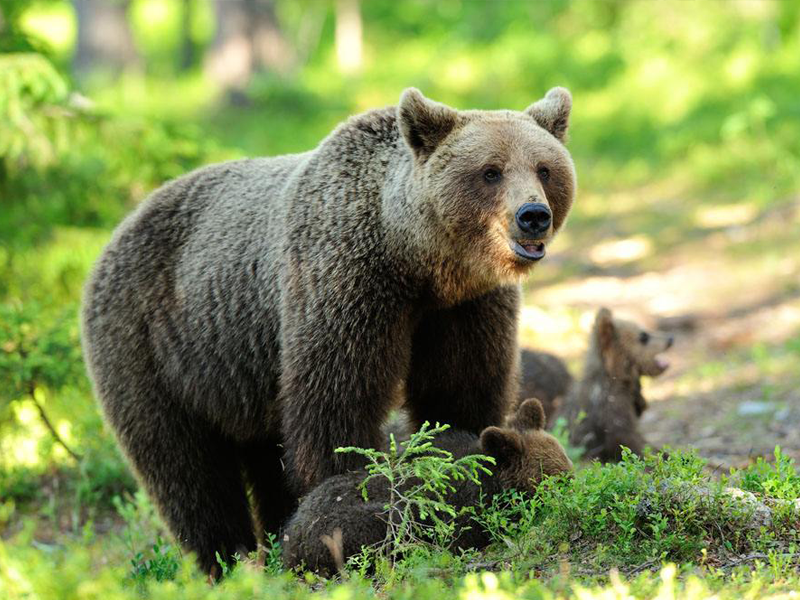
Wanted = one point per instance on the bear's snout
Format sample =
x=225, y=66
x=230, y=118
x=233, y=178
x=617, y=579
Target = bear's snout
x=534, y=218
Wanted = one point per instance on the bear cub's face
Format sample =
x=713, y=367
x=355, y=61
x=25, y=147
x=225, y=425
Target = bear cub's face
x=501, y=182
x=628, y=349
x=523, y=451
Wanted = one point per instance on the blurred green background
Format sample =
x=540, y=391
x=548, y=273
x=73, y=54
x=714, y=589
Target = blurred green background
x=685, y=132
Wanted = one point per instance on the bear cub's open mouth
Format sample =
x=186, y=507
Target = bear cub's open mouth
x=662, y=363
x=529, y=250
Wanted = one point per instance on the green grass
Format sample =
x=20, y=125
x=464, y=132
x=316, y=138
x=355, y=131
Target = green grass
x=607, y=527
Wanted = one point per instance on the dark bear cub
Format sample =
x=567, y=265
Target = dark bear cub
x=334, y=522
x=603, y=409
x=546, y=377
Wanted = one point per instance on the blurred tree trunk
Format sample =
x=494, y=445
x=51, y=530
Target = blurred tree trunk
x=188, y=47
x=348, y=36
x=105, y=40
x=249, y=38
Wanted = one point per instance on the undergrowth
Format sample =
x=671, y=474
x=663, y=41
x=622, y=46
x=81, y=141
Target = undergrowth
x=634, y=516
x=419, y=476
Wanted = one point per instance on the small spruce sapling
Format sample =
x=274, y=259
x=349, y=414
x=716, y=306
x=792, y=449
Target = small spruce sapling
x=419, y=477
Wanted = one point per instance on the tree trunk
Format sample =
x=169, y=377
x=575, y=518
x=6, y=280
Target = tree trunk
x=271, y=49
x=248, y=38
x=348, y=36
x=105, y=41
x=188, y=47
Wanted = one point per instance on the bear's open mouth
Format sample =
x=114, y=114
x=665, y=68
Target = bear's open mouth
x=529, y=250
x=662, y=363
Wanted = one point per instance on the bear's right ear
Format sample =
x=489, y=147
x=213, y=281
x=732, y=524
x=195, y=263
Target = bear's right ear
x=424, y=123
x=552, y=112
x=530, y=415
x=604, y=330
x=501, y=444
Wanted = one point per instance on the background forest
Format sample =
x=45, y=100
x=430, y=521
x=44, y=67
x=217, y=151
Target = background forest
x=686, y=136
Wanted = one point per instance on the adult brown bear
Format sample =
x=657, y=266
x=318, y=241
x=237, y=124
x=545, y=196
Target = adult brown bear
x=252, y=316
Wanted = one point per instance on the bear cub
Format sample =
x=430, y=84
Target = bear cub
x=333, y=522
x=603, y=409
x=544, y=376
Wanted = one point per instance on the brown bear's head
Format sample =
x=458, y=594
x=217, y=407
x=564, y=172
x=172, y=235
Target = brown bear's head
x=523, y=451
x=627, y=351
x=493, y=186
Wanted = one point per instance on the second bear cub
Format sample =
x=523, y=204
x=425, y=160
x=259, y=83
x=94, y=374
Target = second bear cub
x=603, y=409
x=336, y=512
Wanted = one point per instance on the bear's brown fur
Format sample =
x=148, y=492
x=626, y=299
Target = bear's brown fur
x=603, y=409
x=546, y=377
x=260, y=313
x=524, y=454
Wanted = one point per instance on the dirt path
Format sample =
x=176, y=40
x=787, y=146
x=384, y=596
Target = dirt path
x=731, y=296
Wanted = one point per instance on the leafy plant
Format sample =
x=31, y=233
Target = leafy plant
x=560, y=431
x=40, y=350
x=777, y=479
x=509, y=517
x=273, y=563
x=419, y=476
x=160, y=564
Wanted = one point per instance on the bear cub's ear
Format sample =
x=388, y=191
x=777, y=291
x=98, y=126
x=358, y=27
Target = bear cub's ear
x=604, y=329
x=552, y=112
x=424, y=123
x=501, y=444
x=530, y=415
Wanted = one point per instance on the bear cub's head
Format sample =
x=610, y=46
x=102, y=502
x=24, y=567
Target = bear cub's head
x=524, y=453
x=500, y=182
x=627, y=350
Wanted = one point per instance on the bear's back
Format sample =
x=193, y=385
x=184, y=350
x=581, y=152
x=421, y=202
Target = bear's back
x=180, y=272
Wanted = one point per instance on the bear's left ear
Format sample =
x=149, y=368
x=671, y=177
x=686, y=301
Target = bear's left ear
x=424, y=123
x=552, y=112
x=503, y=445
x=530, y=415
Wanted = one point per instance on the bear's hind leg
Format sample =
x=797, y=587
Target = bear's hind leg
x=194, y=477
x=273, y=502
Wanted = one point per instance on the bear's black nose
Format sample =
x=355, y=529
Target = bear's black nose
x=534, y=218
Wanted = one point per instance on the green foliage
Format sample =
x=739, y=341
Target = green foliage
x=419, y=476
x=509, y=518
x=778, y=479
x=637, y=510
x=161, y=564
x=34, y=123
x=39, y=349
x=273, y=563
x=560, y=431
x=55, y=164
x=13, y=38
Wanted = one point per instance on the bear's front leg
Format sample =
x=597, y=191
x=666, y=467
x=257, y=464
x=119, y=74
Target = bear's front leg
x=464, y=362
x=339, y=370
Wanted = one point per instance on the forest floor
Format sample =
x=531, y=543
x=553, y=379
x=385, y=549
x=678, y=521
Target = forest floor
x=727, y=287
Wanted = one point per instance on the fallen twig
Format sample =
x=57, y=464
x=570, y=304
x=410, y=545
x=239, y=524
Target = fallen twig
x=50, y=426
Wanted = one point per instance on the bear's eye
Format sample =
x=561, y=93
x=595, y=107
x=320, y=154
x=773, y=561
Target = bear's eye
x=644, y=337
x=543, y=173
x=492, y=175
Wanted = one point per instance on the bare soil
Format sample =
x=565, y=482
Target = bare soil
x=731, y=296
